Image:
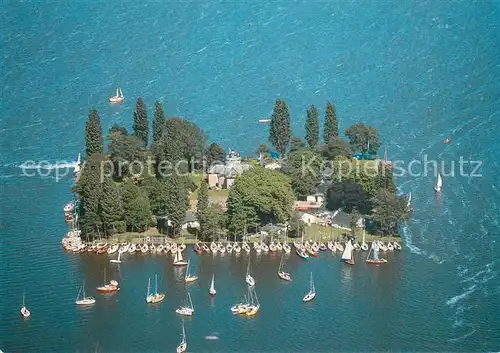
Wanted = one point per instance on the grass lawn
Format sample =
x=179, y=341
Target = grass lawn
x=317, y=232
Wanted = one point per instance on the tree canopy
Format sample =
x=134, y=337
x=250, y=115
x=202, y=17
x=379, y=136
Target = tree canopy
x=331, y=123
x=312, y=127
x=259, y=196
x=158, y=123
x=140, y=126
x=347, y=195
x=93, y=134
x=388, y=210
x=363, y=138
x=280, y=130
x=303, y=167
x=215, y=154
x=337, y=147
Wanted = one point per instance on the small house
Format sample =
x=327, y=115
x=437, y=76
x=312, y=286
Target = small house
x=224, y=175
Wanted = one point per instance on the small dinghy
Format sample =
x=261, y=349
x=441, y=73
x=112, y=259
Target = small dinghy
x=347, y=255
x=132, y=249
x=286, y=248
x=113, y=248
x=390, y=247
x=301, y=253
x=189, y=278
x=144, y=248
x=397, y=246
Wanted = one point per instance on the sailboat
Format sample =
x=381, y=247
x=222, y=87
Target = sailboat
x=186, y=310
x=118, y=97
x=178, y=260
x=282, y=274
x=117, y=261
x=153, y=298
x=439, y=184
x=188, y=278
x=111, y=287
x=85, y=300
x=212, y=290
x=312, y=291
x=24, y=311
x=183, y=345
x=242, y=307
x=408, y=202
x=254, y=306
x=249, y=279
x=347, y=256
x=375, y=260
x=78, y=165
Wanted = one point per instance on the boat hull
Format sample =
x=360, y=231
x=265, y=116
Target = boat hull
x=376, y=261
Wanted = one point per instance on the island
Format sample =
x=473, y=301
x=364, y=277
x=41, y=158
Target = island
x=178, y=188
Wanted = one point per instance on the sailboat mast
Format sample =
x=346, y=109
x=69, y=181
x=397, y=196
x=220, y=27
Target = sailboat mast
x=149, y=286
x=156, y=284
x=190, y=302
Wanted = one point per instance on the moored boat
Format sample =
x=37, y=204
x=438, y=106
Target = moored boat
x=24, y=310
x=375, y=260
x=113, y=248
x=248, y=278
x=154, y=298
x=118, y=97
x=347, y=255
x=282, y=274
x=178, y=260
x=302, y=253
x=186, y=310
x=212, y=290
x=111, y=287
x=84, y=300
x=312, y=291
x=183, y=345
x=189, y=278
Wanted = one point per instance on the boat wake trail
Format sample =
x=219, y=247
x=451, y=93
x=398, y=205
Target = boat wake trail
x=408, y=237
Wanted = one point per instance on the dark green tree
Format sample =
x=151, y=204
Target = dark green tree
x=215, y=154
x=347, y=195
x=312, y=127
x=130, y=192
x=139, y=217
x=212, y=220
x=89, y=188
x=280, y=131
x=111, y=207
x=296, y=226
x=259, y=196
x=117, y=128
x=331, y=123
x=384, y=178
x=388, y=210
x=202, y=198
x=157, y=195
x=93, y=134
x=296, y=144
x=337, y=147
x=177, y=202
x=363, y=138
x=158, y=123
x=183, y=141
x=140, y=125
x=123, y=151
x=303, y=167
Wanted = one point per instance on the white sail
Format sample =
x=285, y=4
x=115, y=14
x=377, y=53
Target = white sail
x=176, y=257
x=117, y=92
x=408, y=203
x=149, y=288
x=121, y=93
x=212, y=286
x=347, y=255
x=439, y=183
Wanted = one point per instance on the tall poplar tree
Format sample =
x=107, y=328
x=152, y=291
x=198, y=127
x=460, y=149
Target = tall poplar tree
x=202, y=198
x=140, y=125
x=93, y=134
x=177, y=201
x=331, y=123
x=111, y=205
x=280, y=131
x=158, y=123
x=312, y=127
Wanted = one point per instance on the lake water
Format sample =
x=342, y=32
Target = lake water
x=417, y=71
